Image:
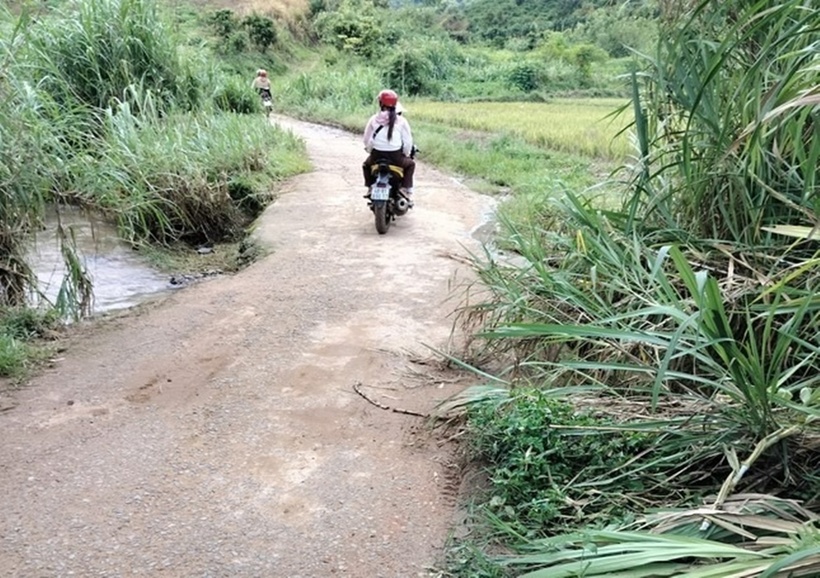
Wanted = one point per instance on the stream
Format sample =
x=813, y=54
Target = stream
x=120, y=276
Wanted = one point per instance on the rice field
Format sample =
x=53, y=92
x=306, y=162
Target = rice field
x=580, y=126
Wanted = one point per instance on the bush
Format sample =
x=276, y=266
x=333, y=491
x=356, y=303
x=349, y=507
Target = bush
x=353, y=27
x=237, y=42
x=261, y=31
x=409, y=72
x=525, y=76
x=583, y=56
x=224, y=23
x=537, y=448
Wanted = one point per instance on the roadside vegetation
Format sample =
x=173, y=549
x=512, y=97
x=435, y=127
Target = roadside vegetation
x=102, y=107
x=658, y=416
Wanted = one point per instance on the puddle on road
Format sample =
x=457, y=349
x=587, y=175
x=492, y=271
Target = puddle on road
x=120, y=276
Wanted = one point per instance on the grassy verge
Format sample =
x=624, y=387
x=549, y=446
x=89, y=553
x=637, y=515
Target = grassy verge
x=23, y=340
x=681, y=334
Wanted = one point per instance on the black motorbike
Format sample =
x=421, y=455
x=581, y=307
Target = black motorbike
x=385, y=199
x=267, y=100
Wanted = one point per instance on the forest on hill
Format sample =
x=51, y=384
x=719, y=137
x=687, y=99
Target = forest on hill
x=616, y=26
x=499, y=22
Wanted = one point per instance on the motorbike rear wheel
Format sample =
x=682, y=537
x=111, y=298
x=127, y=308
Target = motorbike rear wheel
x=382, y=219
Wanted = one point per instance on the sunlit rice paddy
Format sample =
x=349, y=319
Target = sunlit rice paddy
x=584, y=126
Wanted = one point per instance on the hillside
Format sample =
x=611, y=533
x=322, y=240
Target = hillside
x=286, y=8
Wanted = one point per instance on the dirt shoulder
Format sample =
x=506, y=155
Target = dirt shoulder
x=216, y=432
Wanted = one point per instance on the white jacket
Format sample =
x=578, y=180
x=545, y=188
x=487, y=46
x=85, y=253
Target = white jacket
x=375, y=138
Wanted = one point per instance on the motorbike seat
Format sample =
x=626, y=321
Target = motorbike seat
x=395, y=169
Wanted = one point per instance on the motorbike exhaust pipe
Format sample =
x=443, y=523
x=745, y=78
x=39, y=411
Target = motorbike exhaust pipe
x=402, y=205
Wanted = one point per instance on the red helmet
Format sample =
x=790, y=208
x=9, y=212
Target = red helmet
x=388, y=98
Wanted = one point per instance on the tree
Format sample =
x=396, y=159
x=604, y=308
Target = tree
x=261, y=31
x=352, y=27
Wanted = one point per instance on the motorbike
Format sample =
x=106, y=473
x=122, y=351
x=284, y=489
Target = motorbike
x=385, y=199
x=267, y=101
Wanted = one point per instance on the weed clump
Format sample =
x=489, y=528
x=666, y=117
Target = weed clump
x=551, y=465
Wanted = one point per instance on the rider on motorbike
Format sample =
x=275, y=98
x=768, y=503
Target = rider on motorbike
x=388, y=136
x=261, y=84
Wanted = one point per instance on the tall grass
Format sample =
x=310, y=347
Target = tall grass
x=27, y=160
x=175, y=178
x=97, y=108
x=729, y=122
x=681, y=311
x=721, y=372
x=339, y=93
x=100, y=49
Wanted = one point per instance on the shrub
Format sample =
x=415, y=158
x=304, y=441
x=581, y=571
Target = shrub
x=353, y=27
x=261, y=31
x=224, y=23
x=238, y=42
x=525, y=76
x=409, y=71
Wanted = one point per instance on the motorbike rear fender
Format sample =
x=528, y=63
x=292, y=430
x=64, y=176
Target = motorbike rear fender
x=396, y=170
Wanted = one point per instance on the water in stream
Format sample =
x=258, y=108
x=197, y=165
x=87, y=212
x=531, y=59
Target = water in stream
x=120, y=276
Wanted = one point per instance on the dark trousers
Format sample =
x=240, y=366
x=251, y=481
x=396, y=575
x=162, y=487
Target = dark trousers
x=397, y=158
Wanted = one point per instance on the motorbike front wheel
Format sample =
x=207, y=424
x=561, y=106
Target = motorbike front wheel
x=382, y=219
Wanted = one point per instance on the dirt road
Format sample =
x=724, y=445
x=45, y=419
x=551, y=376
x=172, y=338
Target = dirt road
x=216, y=432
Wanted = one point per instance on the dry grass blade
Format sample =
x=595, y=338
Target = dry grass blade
x=739, y=514
x=795, y=231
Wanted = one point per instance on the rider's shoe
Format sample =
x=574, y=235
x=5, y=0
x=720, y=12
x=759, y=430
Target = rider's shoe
x=408, y=194
x=367, y=194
